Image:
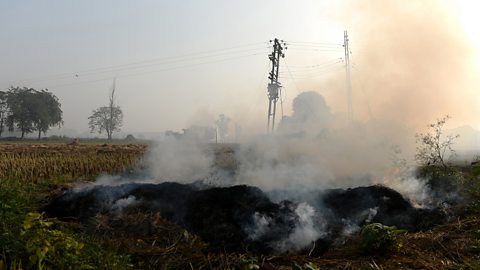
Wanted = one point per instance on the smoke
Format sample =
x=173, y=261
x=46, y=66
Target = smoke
x=311, y=115
x=309, y=153
x=308, y=227
x=410, y=66
x=181, y=160
x=120, y=204
x=412, y=63
x=307, y=230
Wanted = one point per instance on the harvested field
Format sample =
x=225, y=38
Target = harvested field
x=34, y=162
x=195, y=226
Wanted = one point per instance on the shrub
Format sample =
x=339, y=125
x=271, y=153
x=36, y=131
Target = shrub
x=377, y=238
x=434, y=148
x=48, y=246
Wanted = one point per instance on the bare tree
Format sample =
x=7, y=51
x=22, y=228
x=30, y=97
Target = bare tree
x=107, y=119
x=434, y=148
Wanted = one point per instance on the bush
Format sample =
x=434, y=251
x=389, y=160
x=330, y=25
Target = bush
x=434, y=148
x=377, y=238
x=12, y=213
x=49, y=246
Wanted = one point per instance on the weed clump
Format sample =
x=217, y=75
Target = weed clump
x=377, y=238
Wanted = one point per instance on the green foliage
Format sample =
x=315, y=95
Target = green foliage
x=49, y=246
x=30, y=110
x=29, y=241
x=47, y=112
x=4, y=110
x=377, y=238
x=11, y=217
x=21, y=104
x=476, y=169
x=442, y=182
x=46, y=246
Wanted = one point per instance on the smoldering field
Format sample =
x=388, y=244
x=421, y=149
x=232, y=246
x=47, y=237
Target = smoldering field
x=315, y=182
x=305, y=188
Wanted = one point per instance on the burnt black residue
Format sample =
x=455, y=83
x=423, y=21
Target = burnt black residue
x=225, y=217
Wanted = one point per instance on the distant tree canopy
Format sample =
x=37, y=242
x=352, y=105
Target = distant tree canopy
x=29, y=110
x=106, y=119
x=3, y=111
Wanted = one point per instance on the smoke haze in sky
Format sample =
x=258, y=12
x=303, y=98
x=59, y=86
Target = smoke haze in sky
x=412, y=61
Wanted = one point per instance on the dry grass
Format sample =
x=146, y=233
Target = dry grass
x=36, y=162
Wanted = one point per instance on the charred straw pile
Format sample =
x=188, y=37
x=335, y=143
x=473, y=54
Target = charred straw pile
x=241, y=218
x=35, y=162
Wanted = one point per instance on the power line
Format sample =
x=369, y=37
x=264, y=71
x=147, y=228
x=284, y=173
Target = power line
x=170, y=62
x=316, y=65
x=314, y=70
x=139, y=64
x=313, y=43
x=327, y=71
x=315, y=49
x=316, y=46
x=161, y=70
x=291, y=77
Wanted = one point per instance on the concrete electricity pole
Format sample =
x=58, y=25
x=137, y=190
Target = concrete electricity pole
x=347, y=78
x=273, y=84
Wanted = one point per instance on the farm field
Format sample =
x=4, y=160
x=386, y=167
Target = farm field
x=33, y=174
x=36, y=162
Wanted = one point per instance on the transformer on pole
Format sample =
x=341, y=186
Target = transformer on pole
x=274, y=87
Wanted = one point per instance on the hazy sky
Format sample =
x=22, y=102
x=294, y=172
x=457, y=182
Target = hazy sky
x=183, y=62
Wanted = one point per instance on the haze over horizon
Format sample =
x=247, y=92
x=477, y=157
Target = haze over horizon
x=180, y=64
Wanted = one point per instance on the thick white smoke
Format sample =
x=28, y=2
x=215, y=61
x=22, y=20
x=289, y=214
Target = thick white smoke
x=179, y=160
x=308, y=228
x=309, y=152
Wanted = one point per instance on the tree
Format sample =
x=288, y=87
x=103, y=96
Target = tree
x=21, y=104
x=3, y=111
x=30, y=110
x=435, y=149
x=107, y=119
x=47, y=112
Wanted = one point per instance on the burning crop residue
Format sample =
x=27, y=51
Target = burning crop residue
x=300, y=191
x=244, y=218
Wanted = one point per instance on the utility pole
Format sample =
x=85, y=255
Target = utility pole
x=273, y=85
x=348, y=82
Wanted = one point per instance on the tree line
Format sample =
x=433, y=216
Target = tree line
x=28, y=110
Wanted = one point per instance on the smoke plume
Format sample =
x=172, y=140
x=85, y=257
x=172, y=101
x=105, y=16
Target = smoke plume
x=411, y=63
x=410, y=67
